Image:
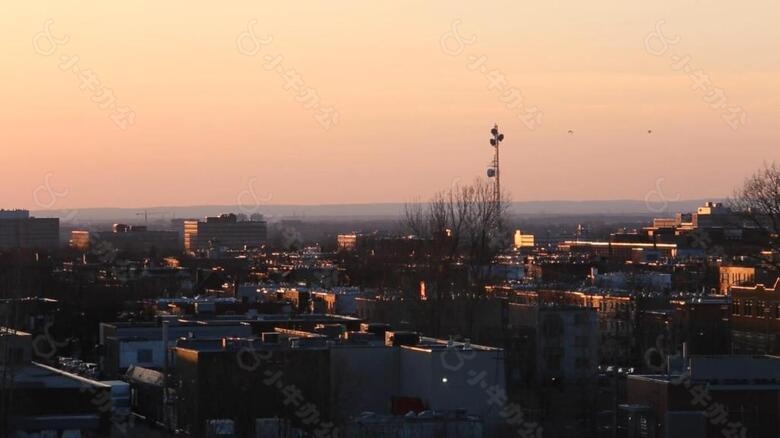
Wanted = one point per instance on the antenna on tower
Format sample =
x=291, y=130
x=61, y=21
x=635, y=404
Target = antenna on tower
x=495, y=170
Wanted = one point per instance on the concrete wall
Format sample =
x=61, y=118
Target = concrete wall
x=128, y=353
x=441, y=379
x=362, y=379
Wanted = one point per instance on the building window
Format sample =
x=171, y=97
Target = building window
x=735, y=307
x=748, y=308
x=144, y=355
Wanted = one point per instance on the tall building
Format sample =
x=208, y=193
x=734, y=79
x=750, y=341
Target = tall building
x=19, y=230
x=224, y=231
x=523, y=240
x=189, y=234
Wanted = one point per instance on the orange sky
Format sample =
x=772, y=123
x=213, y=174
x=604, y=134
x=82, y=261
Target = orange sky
x=412, y=118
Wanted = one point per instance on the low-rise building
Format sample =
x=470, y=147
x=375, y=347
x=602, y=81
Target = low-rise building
x=712, y=396
x=339, y=378
x=755, y=319
x=736, y=276
x=126, y=344
x=46, y=401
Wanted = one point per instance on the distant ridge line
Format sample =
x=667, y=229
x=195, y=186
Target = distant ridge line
x=383, y=210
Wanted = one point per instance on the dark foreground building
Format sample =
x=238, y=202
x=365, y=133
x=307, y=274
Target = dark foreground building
x=729, y=396
x=38, y=400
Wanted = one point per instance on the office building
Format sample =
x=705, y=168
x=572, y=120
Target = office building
x=223, y=231
x=523, y=240
x=19, y=230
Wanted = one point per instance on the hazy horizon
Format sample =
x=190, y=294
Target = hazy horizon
x=276, y=212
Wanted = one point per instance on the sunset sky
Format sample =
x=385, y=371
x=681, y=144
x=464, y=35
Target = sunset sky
x=412, y=119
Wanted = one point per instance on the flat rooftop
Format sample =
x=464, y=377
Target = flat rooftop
x=36, y=375
x=431, y=345
x=727, y=371
x=227, y=320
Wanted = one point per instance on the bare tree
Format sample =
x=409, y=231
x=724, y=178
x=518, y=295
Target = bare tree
x=466, y=225
x=758, y=203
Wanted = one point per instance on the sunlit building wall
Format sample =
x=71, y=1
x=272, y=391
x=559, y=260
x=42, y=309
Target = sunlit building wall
x=523, y=240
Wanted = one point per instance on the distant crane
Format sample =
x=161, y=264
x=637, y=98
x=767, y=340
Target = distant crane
x=147, y=213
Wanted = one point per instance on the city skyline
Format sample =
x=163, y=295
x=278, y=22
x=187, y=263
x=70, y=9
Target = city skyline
x=357, y=219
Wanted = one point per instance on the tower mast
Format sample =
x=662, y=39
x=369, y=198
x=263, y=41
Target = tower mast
x=495, y=141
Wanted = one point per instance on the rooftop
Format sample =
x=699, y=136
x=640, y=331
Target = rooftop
x=726, y=370
x=42, y=376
